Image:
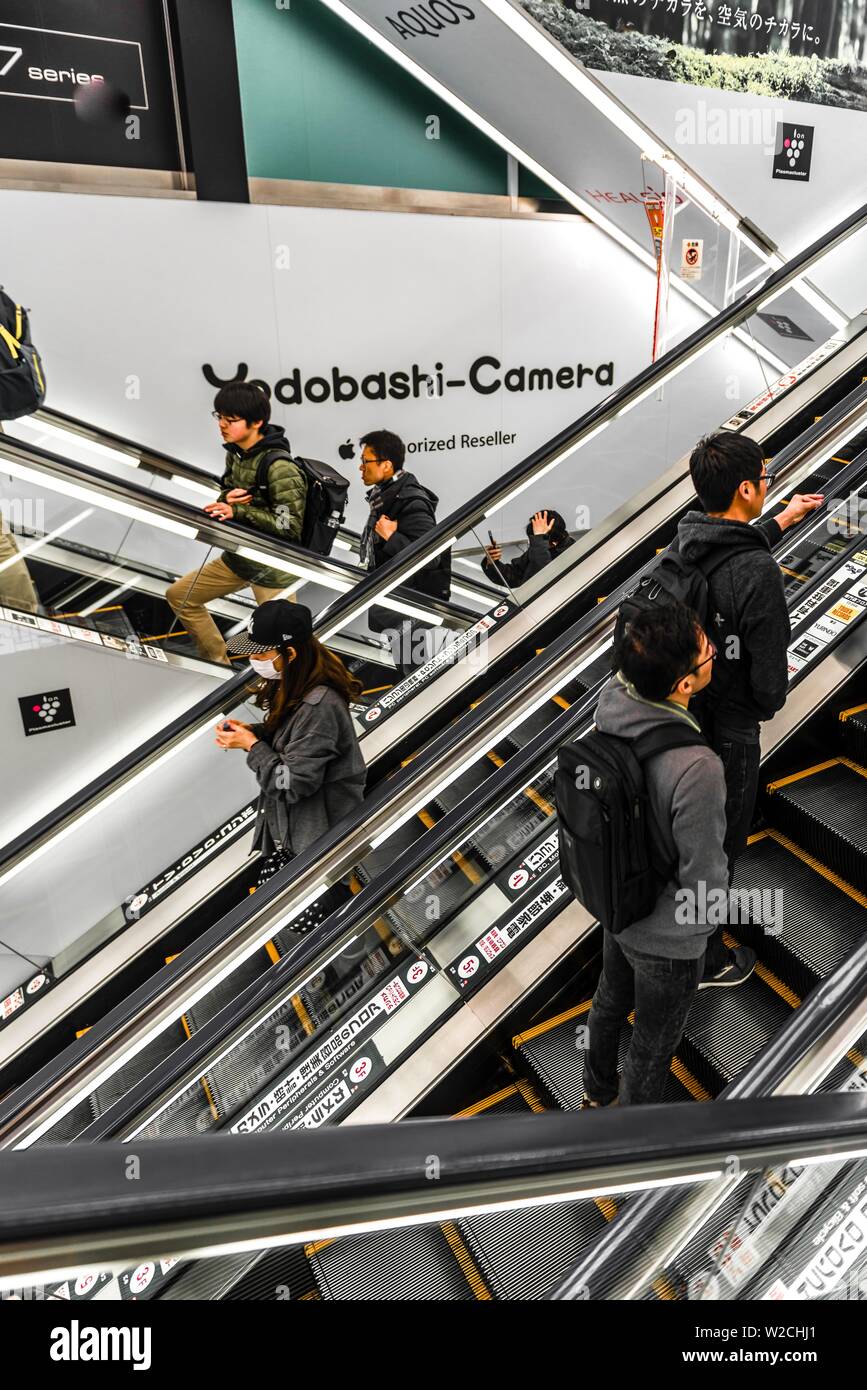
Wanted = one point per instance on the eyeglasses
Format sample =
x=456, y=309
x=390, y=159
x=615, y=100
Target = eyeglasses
x=227, y=419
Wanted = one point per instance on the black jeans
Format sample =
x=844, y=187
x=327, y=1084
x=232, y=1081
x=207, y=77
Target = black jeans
x=740, y=752
x=661, y=991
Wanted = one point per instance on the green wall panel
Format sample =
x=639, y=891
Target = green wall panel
x=321, y=103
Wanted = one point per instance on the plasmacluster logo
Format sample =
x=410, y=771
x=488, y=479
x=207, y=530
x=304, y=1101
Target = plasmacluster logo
x=486, y=376
x=430, y=20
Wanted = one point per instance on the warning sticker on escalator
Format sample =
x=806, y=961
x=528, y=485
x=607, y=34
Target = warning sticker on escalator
x=25, y=994
x=843, y=613
x=477, y=961
x=349, y=1044
x=467, y=645
x=540, y=858
x=844, y=575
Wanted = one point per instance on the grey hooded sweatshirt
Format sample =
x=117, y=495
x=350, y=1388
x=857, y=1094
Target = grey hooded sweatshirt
x=687, y=796
x=747, y=598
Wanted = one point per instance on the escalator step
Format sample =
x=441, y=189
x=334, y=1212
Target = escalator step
x=727, y=1027
x=508, y=1101
x=377, y=860
x=824, y=810
x=818, y=922
x=536, y=723
x=277, y=1275
x=415, y=1262
x=854, y=725
x=227, y=990
x=156, y=1051
x=554, y=1052
x=523, y=1254
x=475, y=776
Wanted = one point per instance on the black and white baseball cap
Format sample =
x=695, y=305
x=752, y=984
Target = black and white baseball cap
x=277, y=623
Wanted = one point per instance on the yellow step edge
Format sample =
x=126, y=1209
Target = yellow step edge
x=847, y=713
x=310, y=1295
x=80, y=1032
x=759, y=835
x=690, y=1082
x=375, y=689
x=468, y=1265
x=799, y=776
x=607, y=1207
x=273, y=953
x=485, y=1104
x=303, y=1016
x=528, y=1091
x=558, y=700
x=794, y=574
x=550, y=1023
x=532, y=795
x=819, y=867
x=664, y=1290
x=770, y=979
x=467, y=869
x=854, y=767
x=314, y=1246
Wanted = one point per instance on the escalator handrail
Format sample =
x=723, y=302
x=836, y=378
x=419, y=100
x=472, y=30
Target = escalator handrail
x=514, y=772
x=58, y=1192
x=167, y=466
x=387, y=578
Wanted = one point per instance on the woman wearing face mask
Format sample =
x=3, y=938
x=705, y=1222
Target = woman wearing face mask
x=305, y=753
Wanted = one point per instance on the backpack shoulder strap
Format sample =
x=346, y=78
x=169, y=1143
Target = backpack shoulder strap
x=263, y=467
x=664, y=740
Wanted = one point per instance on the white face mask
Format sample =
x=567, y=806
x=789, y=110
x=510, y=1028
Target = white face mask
x=266, y=669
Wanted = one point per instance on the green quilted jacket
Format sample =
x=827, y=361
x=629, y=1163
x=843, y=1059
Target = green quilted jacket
x=280, y=513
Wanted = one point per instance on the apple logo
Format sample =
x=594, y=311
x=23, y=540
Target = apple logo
x=347, y=450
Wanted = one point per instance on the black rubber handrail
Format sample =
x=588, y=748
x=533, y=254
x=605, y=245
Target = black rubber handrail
x=58, y=1190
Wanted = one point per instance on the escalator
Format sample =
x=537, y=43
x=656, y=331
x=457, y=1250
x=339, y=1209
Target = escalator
x=137, y=922
x=391, y=1012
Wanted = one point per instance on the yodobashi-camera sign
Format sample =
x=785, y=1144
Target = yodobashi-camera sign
x=53, y=65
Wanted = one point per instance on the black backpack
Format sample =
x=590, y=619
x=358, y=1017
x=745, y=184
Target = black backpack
x=22, y=380
x=609, y=841
x=325, y=507
x=675, y=578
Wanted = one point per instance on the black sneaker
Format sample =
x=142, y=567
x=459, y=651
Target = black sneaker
x=739, y=967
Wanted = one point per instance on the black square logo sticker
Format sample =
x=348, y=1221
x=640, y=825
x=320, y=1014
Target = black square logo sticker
x=47, y=711
x=786, y=327
x=793, y=158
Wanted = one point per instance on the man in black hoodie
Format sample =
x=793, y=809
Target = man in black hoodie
x=401, y=510
x=747, y=602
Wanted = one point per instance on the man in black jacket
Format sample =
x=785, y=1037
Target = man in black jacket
x=747, y=600
x=401, y=510
x=548, y=537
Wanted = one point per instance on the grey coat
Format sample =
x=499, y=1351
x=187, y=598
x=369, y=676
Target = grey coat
x=310, y=771
x=687, y=797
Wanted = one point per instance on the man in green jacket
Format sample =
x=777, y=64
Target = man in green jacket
x=243, y=412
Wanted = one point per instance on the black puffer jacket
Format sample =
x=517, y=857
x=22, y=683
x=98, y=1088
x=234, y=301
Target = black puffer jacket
x=413, y=506
x=538, y=554
x=747, y=598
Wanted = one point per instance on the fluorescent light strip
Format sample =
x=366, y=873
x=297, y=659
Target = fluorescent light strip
x=344, y=545
x=844, y=1157
x=240, y=1040
x=44, y=540
x=99, y=501
x=469, y=593
x=98, y=806
x=501, y=734
x=199, y=488
x=328, y=581
x=213, y=981
x=50, y=435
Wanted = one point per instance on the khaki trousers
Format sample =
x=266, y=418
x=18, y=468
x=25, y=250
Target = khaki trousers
x=189, y=594
x=16, y=586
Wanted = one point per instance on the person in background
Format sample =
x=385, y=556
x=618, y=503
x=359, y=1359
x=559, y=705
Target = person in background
x=16, y=586
x=748, y=601
x=401, y=510
x=243, y=413
x=663, y=659
x=548, y=537
x=304, y=754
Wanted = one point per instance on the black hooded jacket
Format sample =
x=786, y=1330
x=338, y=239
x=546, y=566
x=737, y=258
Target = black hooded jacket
x=413, y=506
x=747, y=598
x=538, y=554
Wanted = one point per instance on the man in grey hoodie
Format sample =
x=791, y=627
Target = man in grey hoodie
x=748, y=603
x=663, y=659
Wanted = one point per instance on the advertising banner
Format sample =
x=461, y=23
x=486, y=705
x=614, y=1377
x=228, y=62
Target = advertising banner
x=797, y=50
